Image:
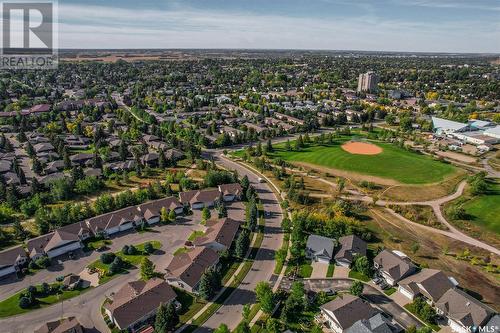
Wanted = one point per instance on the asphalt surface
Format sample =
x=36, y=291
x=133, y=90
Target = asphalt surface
x=371, y=294
x=230, y=313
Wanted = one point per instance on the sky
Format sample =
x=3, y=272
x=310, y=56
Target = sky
x=369, y=25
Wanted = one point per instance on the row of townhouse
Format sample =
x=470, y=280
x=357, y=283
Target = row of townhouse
x=69, y=238
x=134, y=306
x=462, y=311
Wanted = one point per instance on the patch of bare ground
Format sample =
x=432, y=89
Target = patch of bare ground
x=424, y=192
x=457, y=156
x=440, y=252
x=348, y=174
x=421, y=214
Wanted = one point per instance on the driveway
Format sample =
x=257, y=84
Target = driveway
x=262, y=269
x=319, y=270
x=372, y=295
x=86, y=307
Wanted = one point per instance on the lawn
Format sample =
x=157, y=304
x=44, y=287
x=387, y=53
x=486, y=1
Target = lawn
x=484, y=210
x=393, y=163
x=358, y=276
x=331, y=269
x=10, y=306
x=195, y=234
x=130, y=261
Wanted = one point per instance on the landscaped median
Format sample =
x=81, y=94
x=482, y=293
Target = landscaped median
x=229, y=284
x=112, y=264
x=36, y=297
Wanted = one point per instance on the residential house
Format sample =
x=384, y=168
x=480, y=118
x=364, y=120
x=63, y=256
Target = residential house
x=462, y=310
x=117, y=221
x=66, y=325
x=344, y=311
x=152, y=210
x=319, y=248
x=186, y=269
x=375, y=324
x=200, y=199
x=11, y=260
x=231, y=192
x=219, y=235
x=137, y=302
x=393, y=266
x=53, y=244
x=430, y=283
x=71, y=281
x=350, y=247
x=81, y=158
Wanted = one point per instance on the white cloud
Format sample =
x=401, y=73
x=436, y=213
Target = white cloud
x=106, y=27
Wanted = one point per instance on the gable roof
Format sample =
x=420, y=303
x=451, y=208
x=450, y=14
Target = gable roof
x=190, y=266
x=221, y=231
x=10, y=256
x=66, y=325
x=153, y=208
x=231, y=189
x=114, y=219
x=205, y=196
x=394, y=265
x=348, y=309
x=350, y=246
x=375, y=324
x=138, y=298
x=448, y=125
x=320, y=245
x=432, y=283
x=463, y=308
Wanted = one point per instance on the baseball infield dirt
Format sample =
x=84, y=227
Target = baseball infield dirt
x=361, y=148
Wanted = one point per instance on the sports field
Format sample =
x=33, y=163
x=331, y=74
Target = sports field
x=392, y=163
x=485, y=209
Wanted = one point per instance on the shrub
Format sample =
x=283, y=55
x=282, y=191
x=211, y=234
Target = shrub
x=24, y=302
x=148, y=248
x=125, y=249
x=107, y=258
x=131, y=250
x=45, y=288
x=43, y=262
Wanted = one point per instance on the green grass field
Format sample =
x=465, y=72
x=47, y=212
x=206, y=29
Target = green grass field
x=485, y=209
x=393, y=163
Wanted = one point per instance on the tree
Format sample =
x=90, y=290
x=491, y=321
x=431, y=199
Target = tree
x=340, y=185
x=107, y=258
x=242, y=243
x=171, y=216
x=273, y=325
x=24, y=302
x=265, y=296
x=147, y=269
x=362, y=265
x=164, y=215
x=269, y=146
x=205, y=289
x=356, y=288
x=222, y=329
x=161, y=320
x=222, y=210
x=205, y=214
x=116, y=265
x=288, y=147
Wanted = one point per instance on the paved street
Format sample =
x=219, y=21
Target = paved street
x=263, y=266
x=86, y=307
x=370, y=293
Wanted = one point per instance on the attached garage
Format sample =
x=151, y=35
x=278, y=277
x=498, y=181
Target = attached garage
x=7, y=270
x=154, y=220
x=407, y=293
x=60, y=250
x=229, y=197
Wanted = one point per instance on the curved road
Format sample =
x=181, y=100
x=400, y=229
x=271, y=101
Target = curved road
x=262, y=269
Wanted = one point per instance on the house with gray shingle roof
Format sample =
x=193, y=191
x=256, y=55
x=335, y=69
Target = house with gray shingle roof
x=319, y=248
x=393, y=266
x=375, y=324
x=344, y=311
x=350, y=247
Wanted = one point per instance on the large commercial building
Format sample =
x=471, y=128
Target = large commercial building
x=367, y=82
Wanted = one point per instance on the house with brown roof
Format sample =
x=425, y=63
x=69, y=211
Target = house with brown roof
x=137, y=302
x=219, y=235
x=344, y=311
x=117, y=221
x=430, y=283
x=199, y=199
x=152, y=210
x=186, y=269
x=11, y=260
x=231, y=192
x=393, y=266
x=66, y=325
x=53, y=244
x=463, y=311
x=350, y=247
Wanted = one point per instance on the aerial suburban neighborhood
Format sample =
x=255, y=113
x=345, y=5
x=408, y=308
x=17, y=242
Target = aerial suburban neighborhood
x=249, y=190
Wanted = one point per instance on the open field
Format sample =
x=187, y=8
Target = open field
x=438, y=252
x=392, y=163
x=483, y=214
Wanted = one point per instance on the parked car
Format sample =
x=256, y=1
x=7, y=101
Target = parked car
x=330, y=292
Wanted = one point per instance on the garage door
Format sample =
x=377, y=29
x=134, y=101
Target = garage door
x=62, y=250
